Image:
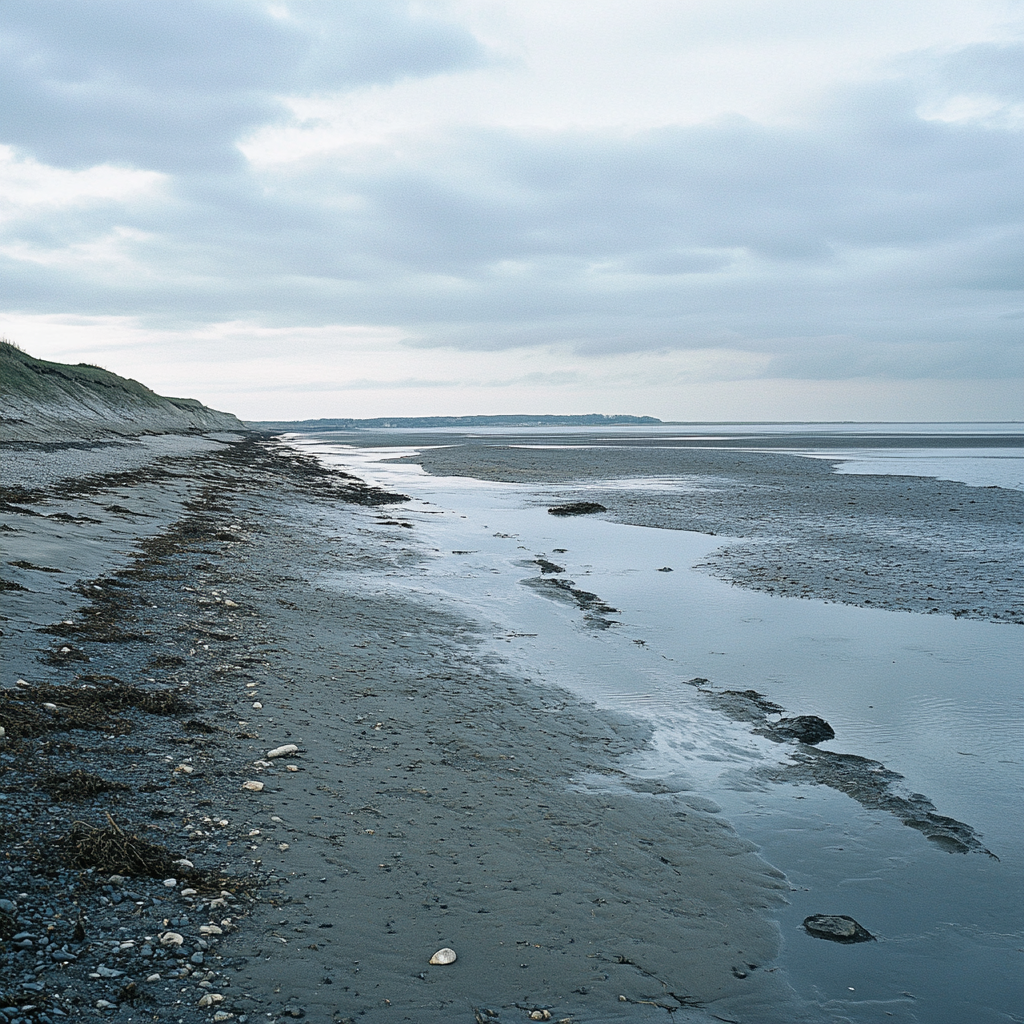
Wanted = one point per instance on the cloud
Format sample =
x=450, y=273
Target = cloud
x=173, y=84
x=194, y=164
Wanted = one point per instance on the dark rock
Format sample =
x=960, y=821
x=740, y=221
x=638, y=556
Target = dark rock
x=837, y=928
x=805, y=728
x=576, y=508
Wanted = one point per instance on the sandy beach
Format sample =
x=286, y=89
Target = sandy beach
x=430, y=801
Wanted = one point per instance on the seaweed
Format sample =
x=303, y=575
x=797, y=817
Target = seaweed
x=114, y=851
x=78, y=784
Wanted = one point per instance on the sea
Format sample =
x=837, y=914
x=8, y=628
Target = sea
x=938, y=699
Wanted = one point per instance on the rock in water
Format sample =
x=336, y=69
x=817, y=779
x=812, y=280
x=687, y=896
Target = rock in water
x=443, y=956
x=805, y=728
x=837, y=928
x=577, y=508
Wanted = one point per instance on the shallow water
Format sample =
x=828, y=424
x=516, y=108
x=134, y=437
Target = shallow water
x=937, y=699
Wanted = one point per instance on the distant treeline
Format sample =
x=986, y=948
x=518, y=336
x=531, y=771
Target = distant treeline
x=590, y=420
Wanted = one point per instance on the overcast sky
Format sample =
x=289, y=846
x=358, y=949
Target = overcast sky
x=694, y=209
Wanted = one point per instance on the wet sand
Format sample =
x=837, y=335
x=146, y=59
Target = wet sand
x=434, y=801
x=891, y=542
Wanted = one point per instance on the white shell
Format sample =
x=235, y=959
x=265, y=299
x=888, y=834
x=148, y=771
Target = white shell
x=443, y=956
x=288, y=748
x=253, y=786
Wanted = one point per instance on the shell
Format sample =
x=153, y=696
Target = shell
x=443, y=956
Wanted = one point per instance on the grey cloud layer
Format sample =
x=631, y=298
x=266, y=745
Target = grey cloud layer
x=865, y=241
x=172, y=85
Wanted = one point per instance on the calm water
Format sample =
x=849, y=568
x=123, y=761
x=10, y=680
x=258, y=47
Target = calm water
x=938, y=700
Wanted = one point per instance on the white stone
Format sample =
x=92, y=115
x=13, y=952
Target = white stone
x=52, y=708
x=186, y=768
x=229, y=604
x=170, y=882
x=171, y=939
x=210, y=929
x=282, y=847
x=291, y=767
x=283, y=751
x=153, y=977
x=257, y=706
x=183, y=862
x=253, y=786
x=189, y=892
x=443, y=956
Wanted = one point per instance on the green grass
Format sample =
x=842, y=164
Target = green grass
x=47, y=382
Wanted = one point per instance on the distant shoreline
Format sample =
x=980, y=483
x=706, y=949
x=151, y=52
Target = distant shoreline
x=348, y=423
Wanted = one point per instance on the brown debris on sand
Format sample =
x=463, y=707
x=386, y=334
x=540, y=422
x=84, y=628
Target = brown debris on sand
x=112, y=850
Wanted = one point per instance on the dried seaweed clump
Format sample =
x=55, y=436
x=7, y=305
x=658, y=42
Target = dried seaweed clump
x=114, y=851
x=33, y=711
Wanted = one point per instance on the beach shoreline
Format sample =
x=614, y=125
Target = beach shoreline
x=433, y=792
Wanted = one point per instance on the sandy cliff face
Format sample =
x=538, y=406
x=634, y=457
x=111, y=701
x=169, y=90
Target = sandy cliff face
x=43, y=401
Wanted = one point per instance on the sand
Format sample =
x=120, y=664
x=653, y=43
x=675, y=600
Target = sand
x=438, y=799
x=891, y=542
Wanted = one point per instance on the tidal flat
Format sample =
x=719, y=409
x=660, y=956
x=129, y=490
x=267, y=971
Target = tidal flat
x=478, y=766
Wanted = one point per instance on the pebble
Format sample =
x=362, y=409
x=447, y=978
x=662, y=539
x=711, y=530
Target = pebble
x=257, y=706
x=253, y=786
x=171, y=939
x=211, y=929
x=170, y=882
x=292, y=767
x=152, y=978
x=183, y=863
x=210, y=998
x=187, y=769
x=52, y=708
x=282, y=751
x=443, y=956
x=222, y=1015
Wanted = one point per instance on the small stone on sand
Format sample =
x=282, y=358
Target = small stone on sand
x=443, y=956
x=283, y=751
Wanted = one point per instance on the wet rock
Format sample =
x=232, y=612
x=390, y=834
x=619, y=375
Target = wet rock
x=443, y=956
x=805, y=728
x=837, y=928
x=576, y=508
